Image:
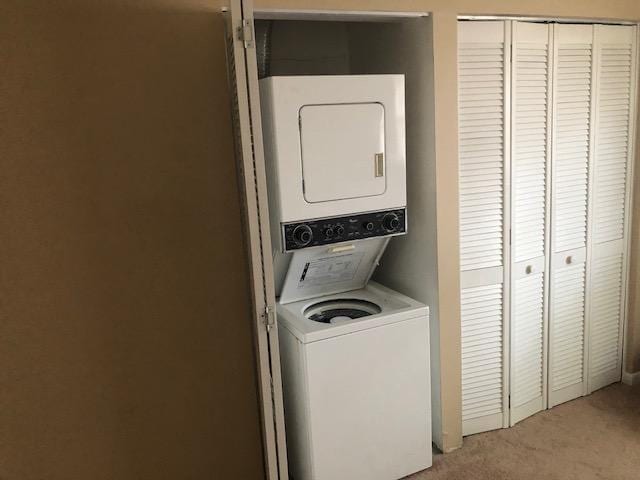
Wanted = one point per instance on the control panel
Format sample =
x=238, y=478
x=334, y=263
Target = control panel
x=326, y=231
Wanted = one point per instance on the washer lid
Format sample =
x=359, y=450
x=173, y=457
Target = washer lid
x=394, y=307
x=318, y=271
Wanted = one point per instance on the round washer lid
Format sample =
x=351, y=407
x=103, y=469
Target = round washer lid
x=340, y=310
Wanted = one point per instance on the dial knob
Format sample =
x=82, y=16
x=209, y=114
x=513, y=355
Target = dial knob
x=339, y=230
x=390, y=222
x=302, y=235
x=368, y=226
x=328, y=232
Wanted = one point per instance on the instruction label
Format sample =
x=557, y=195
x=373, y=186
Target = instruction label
x=328, y=270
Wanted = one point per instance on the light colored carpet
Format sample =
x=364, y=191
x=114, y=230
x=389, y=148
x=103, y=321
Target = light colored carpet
x=594, y=437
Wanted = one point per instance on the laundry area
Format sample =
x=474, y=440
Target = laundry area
x=354, y=353
x=320, y=240
x=345, y=160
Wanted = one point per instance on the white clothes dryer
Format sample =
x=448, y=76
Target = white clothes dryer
x=334, y=144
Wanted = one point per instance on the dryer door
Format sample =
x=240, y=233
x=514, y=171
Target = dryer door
x=342, y=151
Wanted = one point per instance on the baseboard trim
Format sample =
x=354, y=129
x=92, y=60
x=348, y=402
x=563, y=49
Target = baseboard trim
x=631, y=378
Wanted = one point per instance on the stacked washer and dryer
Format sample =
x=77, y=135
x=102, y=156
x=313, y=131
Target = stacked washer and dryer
x=354, y=354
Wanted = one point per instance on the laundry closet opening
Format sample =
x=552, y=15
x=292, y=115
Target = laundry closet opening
x=369, y=45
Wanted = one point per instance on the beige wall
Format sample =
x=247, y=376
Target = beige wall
x=125, y=354
x=125, y=331
x=589, y=9
x=445, y=66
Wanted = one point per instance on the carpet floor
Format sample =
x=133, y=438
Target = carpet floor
x=592, y=438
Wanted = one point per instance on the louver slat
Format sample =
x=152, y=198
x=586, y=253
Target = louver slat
x=571, y=146
x=605, y=314
x=481, y=151
x=567, y=345
x=527, y=335
x=612, y=142
x=529, y=149
x=481, y=313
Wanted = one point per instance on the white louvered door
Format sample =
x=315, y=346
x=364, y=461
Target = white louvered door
x=546, y=140
x=483, y=70
x=615, y=78
x=571, y=160
x=530, y=148
x=247, y=126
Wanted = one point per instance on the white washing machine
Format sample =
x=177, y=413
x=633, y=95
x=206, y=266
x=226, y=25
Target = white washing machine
x=355, y=369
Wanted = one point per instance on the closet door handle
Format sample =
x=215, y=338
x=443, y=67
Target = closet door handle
x=529, y=269
x=569, y=260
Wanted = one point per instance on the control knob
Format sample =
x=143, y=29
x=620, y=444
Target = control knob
x=390, y=222
x=302, y=235
x=368, y=226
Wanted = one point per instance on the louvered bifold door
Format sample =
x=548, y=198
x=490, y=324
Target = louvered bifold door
x=483, y=71
x=243, y=86
x=571, y=159
x=530, y=149
x=615, y=79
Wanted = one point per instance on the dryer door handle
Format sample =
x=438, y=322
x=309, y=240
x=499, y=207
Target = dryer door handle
x=379, y=164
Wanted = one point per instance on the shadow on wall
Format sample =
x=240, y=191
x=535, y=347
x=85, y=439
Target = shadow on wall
x=125, y=331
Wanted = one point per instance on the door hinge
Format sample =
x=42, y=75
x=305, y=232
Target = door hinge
x=269, y=317
x=245, y=33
